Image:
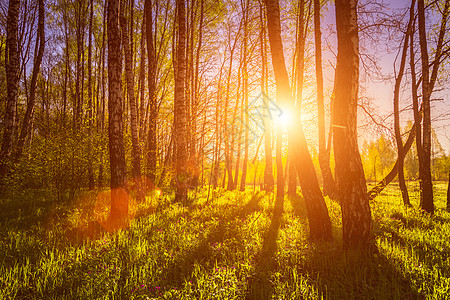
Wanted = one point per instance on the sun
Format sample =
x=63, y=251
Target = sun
x=285, y=119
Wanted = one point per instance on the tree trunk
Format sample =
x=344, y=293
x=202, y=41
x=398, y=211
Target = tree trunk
x=426, y=196
x=90, y=99
x=39, y=52
x=319, y=221
x=180, y=106
x=12, y=83
x=428, y=82
x=78, y=113
x=448, y=193
x=356, y=216
x=245, y=95
x=398, y=137
x=281, y=79
x=195, y=95
x=268, y=169
x=129, y=73
x=151, y=148
x=329, y=186
x=229, y=129
x=119, y=200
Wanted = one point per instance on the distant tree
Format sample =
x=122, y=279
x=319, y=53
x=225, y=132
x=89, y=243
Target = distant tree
x=356, y=216
x=119, y=201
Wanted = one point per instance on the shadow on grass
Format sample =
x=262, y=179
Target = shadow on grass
x=357, y=274
x=180, y=270
x=259, y=283
x=298, y=205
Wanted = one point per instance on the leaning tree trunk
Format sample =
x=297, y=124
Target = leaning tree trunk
x=379, y=187
x=180, y=106
x=12, y=83
x=356, y=216
x=319, y=220
x=119, y=199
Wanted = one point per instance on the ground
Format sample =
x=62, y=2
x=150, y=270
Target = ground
x=221, y=245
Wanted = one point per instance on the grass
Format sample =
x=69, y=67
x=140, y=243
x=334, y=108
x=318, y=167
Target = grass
x=230, y=245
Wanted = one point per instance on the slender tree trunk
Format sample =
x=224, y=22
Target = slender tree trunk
x=298, y=71
x=329, y=187
x=129, y=73
x=102, y=113
x=214, y=178
x=448, y=193
x=426, y=196
x=180, y=106
x=39, y=52
x=141, y=85
x=356, y=216
x=398, y=136
x=153, y=114
x=245, y=95
x=268, y=169
x=12, y=83
x=319, y=221
x=119, y=200
x=239, y=132
x=229, y=129
x=428, y=82
x=77, y=120
x=281, y=79
x=90, y=99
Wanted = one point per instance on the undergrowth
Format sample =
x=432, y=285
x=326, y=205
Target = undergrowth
x=220, y=245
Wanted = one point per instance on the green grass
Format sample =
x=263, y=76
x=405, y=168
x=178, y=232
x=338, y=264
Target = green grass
x=231, y=246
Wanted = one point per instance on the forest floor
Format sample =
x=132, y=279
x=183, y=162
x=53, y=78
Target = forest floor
x=222, y=245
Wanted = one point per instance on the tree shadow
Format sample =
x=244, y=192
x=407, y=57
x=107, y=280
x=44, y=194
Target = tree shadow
x=298, y=206
x=259, y=283
x=357, y=274
x=180, y=270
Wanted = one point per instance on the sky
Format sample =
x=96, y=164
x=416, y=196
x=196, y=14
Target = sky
x=382, y=91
